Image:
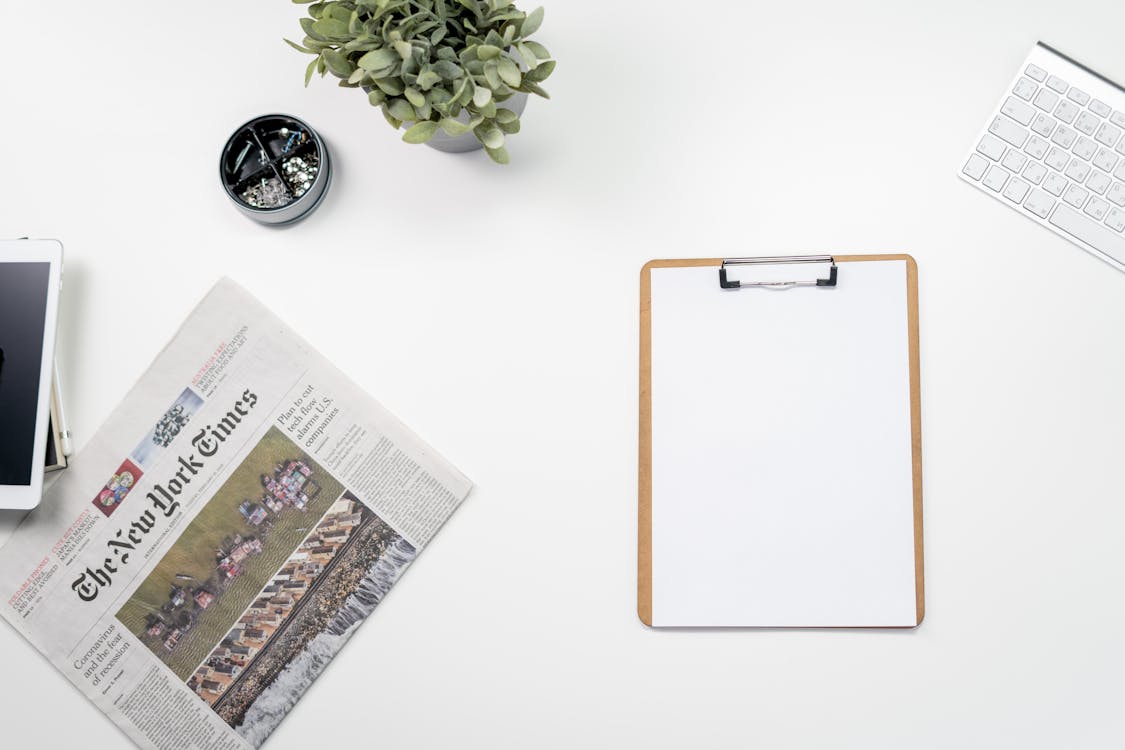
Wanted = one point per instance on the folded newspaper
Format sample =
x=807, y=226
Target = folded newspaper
x=232, y=523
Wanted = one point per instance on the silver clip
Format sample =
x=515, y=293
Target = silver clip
x=725, y=283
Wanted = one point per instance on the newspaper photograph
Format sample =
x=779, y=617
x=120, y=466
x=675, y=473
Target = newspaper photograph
x=240, y=514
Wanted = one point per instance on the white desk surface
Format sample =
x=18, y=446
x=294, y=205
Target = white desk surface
x=495, y=311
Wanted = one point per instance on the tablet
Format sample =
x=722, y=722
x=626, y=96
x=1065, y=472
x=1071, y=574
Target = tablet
x=30, y=271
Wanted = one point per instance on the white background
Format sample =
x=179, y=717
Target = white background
x=495, y=311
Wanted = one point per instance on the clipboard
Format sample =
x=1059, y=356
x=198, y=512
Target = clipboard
x=780, y=451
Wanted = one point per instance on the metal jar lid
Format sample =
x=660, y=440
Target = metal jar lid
x=275, y=169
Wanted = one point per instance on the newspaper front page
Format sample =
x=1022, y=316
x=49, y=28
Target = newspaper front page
x=223, y=535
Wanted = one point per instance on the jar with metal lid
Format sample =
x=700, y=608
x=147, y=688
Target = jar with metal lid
x=275, y=169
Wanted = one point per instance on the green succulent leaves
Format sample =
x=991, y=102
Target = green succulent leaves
x=447, y=65
x=420, y=132
x=374, y=61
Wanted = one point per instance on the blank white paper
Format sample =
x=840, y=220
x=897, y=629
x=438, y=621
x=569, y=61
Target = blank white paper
x=782, y=490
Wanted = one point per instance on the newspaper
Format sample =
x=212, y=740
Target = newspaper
x=233, y=522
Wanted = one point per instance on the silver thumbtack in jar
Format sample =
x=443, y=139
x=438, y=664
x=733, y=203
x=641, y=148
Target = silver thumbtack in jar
x=275, y=169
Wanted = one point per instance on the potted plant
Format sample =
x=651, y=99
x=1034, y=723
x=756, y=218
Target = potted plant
x=455, y=73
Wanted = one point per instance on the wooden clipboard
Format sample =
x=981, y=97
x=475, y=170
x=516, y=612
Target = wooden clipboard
x=645, y=473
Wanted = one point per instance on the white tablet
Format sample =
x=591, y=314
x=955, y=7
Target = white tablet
x=30, y=271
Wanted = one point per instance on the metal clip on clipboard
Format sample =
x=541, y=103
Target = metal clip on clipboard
x=783, y=259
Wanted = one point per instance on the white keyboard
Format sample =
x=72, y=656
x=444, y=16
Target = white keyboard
x=1054, y=150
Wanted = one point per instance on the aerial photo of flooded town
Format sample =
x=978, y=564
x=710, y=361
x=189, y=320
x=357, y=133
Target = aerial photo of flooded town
x=329, y=585
x=229, y=552
x=265, y=585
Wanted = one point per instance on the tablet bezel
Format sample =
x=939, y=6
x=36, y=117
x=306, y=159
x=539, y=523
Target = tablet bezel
x=25, y=497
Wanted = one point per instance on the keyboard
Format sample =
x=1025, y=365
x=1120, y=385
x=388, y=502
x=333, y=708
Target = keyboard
x=1054, y=150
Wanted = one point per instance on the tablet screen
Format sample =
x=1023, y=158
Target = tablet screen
x=23, y=312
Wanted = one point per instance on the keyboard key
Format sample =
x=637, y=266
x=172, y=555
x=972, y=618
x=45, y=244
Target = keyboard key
x=1034, y=172
x=1078, y=95
x=1043, y=125
x=991, y=147
x=1118, y=119
x=1064, y=136
x=996, y=178
x=1039, y=203
x=1086, y=123
x=1120, y=148
x=1066, y=111
x=1055, y=184
x=1007, y=130
x=1084, y=148
x=1058, y=84
x=1046, y=100
x=1013, y=161
x=1115, y=220
x=1098, y=182
x=1100, y=108
x=1093, y=234
x=1119, y=173
x=1057, y=159
x=975, y=166
x=1107, y=134
x=1074, y=195
x=1105, y=160
x=1116, y=194
x=1018, y=111
x=1096, y=208
x=1037, y=73
x=1077, y=170
x=1025, y=89
x=1037, y=147
x=1017, y=189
